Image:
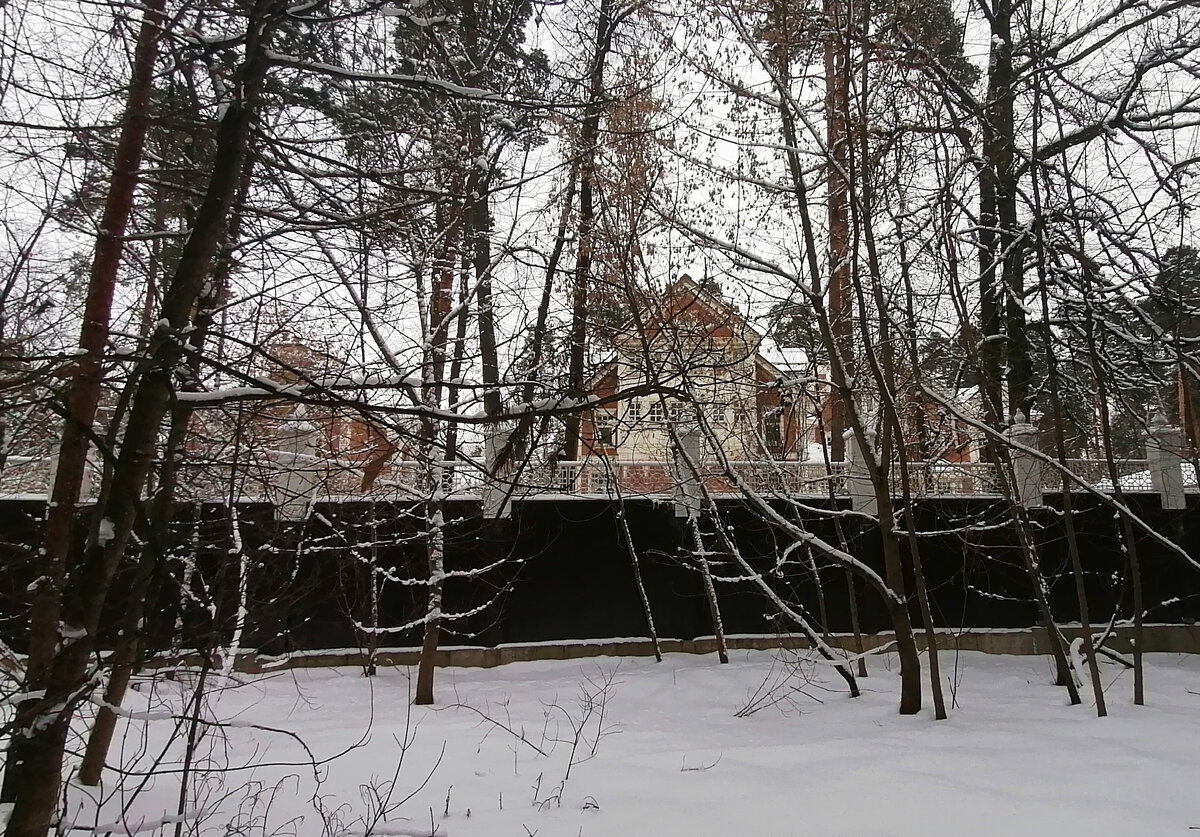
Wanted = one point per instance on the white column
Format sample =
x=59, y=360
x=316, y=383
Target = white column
x=295, y=477
x=858, y=480
x=688, y=495
x=1027, y=468
x=497, y=481
x=1164, y=451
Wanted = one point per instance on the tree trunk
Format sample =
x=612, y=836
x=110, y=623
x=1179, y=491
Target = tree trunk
x=83, y=396
x=627, y=536
x=479, y=219
x=906, y=643
x=39, y=751
x=837, y=109
x=589, y=137
x=433, y=611
x=125, y=656
x=710, y=590
x=995, y=201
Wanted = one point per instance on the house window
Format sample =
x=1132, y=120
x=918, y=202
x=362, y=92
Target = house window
x=654, y=412
x=772, y=437
x=633, y=411
x=716, y=415
x=567, y=478
x=675, y=412
x=447, y=476
x=606, y=429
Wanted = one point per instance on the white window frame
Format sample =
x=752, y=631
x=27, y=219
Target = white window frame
x=604, y=424
x=676, y=411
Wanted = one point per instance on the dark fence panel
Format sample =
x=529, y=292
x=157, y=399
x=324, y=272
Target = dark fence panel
x=562, y=570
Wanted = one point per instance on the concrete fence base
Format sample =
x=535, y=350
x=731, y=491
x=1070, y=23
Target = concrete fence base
x=1180, y=639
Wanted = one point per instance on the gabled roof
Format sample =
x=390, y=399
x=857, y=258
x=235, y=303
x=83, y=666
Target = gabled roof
x=684, y=293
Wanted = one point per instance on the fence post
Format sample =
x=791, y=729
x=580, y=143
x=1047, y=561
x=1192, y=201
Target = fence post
x=1027, y=468
x=1164, y=452
x=858, y=481
x=687, y=481
x=294, y=479
x=497, y=482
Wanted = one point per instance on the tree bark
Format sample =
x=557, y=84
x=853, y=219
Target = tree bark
x=837, y=110
x=479, y=218
x=44, y=724
x=710, y=590
x=997, y=206
x=128, y=649
x=589, y=139
x=436, y=556
x=83, y=397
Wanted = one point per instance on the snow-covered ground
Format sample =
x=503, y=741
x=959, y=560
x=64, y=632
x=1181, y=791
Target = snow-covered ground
x=662, y=751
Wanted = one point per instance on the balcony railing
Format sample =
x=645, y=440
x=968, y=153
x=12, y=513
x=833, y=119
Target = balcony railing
x=657, y=478
x=606, y=478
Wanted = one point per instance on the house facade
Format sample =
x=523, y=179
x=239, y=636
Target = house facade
x=692, y=359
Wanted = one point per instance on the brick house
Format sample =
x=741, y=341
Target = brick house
x=344, y=452
x=707, y=364
x=765, y=407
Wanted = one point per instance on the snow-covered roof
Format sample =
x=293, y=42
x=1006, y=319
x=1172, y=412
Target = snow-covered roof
x=791, y=361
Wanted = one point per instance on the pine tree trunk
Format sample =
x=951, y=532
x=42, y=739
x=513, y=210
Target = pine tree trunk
x=589, y=137
x=39, y=751
x=83, y=396
x=837, y=109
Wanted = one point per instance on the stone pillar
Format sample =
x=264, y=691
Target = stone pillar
x=858, y=480
x=688, y=495
x=295, y=477
x=93, y=465
x=497, y=481
x=1164, y=452
x=1027, y=468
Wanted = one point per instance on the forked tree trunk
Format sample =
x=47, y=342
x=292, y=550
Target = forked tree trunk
x=833, y=336
x=1130, y=542
x=931, y=644
x=1060, y=449
x=1041, y=598
x=906, y=643
x=452, y=219
x=125, y=655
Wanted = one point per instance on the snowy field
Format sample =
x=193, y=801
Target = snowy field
x=626, y=747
